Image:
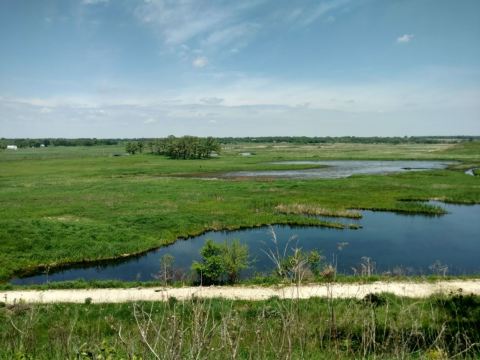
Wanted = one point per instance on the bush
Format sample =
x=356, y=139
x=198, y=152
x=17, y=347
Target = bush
x=221, y=262
x=462, y=320
x=133, y=147
x=299, y=264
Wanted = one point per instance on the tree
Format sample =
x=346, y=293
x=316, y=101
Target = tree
x=211, y=269
x=166, y=269
x=235, y=257
x=221, y=262
x=131, y=148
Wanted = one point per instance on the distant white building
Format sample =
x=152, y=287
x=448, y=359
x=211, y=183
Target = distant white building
x=12, y=147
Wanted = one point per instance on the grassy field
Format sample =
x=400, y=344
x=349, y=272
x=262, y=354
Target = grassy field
x=61, y=204
x=377, y=327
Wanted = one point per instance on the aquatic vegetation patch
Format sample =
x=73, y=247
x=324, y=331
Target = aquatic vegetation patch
x=307, y=209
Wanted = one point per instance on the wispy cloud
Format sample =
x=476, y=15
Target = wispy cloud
x=307, y=14
x=219, y=27
x=230, y=34
x=323, y=9
x=178, y=22
x=200, y=62
x=405, y=38
x=94, y=2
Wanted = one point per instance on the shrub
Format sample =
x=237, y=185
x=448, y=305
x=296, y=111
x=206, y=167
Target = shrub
x=221, y=262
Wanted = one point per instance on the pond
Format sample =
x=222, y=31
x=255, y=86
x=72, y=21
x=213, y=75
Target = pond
x=405, y=244
x=344, y=168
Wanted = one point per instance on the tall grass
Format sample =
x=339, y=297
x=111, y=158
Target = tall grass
x=377, y=327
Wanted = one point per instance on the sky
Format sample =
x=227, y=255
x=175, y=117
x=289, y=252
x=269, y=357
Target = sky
x=151, y=68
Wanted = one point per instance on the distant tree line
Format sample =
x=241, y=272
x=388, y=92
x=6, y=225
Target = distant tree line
x=176, y=147
x=28, y=143
x=186, y=147
x=348, y=139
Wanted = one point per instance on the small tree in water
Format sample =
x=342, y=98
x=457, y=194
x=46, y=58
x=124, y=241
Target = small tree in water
x=221, y=262
x=235, y=257
x=166, y=269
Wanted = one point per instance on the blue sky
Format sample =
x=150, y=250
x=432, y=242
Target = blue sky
x=126, y=68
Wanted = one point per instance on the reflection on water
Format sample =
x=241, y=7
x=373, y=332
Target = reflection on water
x=344, y=168
x=392, y=241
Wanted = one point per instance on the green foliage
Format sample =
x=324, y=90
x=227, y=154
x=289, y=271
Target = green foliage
x=221, y=262
x=296, y=265
x=462, y=318
x=134, y=147
x=211, y=270
x=235, y=258
x=380, y=327
x=186, y=147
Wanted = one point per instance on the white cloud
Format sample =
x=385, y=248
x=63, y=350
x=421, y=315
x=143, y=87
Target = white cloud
x=200, y=62
x=405, y=38
x=229, y=34
x=94, y=2
x=306, y=15
x=223, y=28
x=251, y=107
x=178, y=22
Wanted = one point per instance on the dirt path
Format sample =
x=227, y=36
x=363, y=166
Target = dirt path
x=408, y=289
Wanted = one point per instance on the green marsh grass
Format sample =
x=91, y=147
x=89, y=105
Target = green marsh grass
x=380, y=326
x=63, y=205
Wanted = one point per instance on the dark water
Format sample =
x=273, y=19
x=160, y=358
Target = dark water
x=345, y=168
x=412, y=243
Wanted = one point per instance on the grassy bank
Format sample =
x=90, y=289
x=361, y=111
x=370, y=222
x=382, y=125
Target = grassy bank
x=379, y=326
x=61, y=205
x=261, y=281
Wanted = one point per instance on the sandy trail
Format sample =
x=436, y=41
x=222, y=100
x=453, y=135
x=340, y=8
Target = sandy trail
x=407, y=289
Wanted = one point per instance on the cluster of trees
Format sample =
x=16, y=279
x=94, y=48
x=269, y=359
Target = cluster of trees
x=186, y=147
